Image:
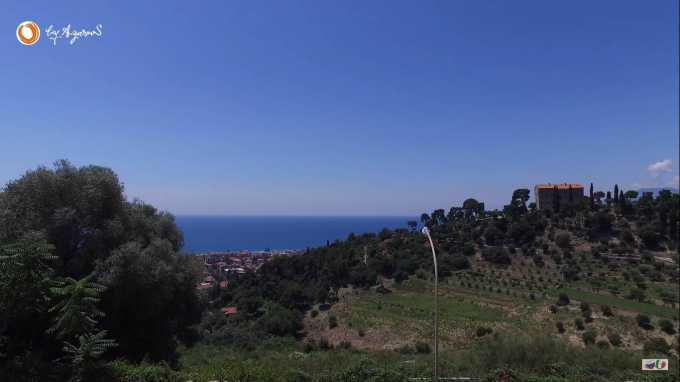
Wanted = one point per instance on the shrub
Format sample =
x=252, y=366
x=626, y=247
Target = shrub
x=563, y=240
x=657, y=345
x=589, y=336
x=314, y=313
x=422, y=347
x=667, y=326
x=332, y=321
x=361, y=333
x=644, y=322
x=602, y=344
x=324, y=344
x=560, y=327
x=345, y=345
x=406, y=349
x=637, y=294
x=563, y=299
x=579, y=324
x=607, y=311
x=585, y=307
x=482, y=331
x=496, y=255
x=614, y=339
x=126, y=372
x=553, y=309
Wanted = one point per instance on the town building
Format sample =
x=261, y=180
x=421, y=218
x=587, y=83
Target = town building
x=566, y=194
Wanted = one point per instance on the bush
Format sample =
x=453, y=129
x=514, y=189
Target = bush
x=482, y=331
x=361, y=333
x=614, y=339
x=589, y=336
x=422, y=347
x=563, y=240
x=657, y=345
x=144, y=372
x=345, y=345
x=324, y=344
x=667, y=326
x=579, y=324
x=637, y=294
x=585, y=307
x=644, y=322
x=602, y=344
x=607, y=311
x=563, y=299
x=553, y=309
x=332, y=321
x=560, y=327
x=314, y=313
x=496, y=255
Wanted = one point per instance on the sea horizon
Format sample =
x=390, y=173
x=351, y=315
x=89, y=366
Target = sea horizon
x=213, y=233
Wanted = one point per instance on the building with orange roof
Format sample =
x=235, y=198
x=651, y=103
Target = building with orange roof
x=566, y=193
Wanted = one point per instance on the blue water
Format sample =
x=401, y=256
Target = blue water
x=217, y=233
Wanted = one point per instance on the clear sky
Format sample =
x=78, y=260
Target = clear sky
x=344, y=107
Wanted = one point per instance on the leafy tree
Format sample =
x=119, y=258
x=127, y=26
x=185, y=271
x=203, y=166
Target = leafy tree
x=579, y=324
x=425, y=219
x=614, y=339
x=649, y=237
x=150, y=294
x=631, y=194
x=493, y=235
x=471, y=207
x=589, y=336
x=77, y=312
x=85, y=354
x=25, y=269
x=637, y=294
x=563, y=240
x=521, y=197
x=496, y=255
x=413, y=225
x=657, y=345
x=667, y=326
x=279, y=321
x=644, y=322
x=563, y=299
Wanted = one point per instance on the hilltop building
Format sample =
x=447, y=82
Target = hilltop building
x=566, y=193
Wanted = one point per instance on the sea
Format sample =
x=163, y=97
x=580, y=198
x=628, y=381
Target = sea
x=257, y=233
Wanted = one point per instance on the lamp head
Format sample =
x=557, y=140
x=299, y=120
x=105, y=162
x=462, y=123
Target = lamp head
x=425, y=231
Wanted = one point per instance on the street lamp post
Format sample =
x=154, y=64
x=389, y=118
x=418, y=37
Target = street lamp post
x=426, y=232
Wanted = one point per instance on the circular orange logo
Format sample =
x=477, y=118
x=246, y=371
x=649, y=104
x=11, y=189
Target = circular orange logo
x=28, y=33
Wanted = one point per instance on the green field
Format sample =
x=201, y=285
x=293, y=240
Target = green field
x=615, y=302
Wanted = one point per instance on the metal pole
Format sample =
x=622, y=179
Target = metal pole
x=426, y=231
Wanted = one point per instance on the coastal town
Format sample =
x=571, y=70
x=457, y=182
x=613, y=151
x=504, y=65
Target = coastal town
x=219, y=265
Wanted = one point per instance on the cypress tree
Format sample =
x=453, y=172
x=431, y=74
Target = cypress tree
x=592, y=198
x=616, y=193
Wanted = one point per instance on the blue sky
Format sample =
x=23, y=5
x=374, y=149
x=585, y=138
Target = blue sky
x=344, y=107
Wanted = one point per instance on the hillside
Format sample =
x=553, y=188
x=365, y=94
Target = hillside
x=93, y=287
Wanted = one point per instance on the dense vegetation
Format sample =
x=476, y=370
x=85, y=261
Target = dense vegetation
x=85, y=273
x=92, y=286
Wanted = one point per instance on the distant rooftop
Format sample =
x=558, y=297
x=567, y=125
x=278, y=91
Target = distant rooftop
x=560, y=186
